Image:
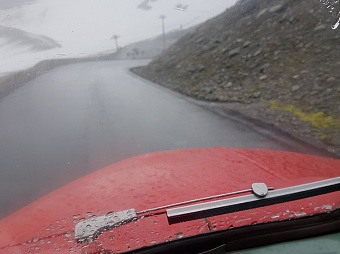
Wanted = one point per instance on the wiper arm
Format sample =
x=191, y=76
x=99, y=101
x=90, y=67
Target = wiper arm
x=247, y=202
x=90, y=229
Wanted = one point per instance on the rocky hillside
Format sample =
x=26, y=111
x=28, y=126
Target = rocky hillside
x=277, y=61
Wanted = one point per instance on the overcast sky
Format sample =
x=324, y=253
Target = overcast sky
x=86, y=26
x=7, y=4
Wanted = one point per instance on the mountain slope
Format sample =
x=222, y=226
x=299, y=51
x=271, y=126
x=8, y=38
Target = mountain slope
x=274, y=60
x=20, y=38
x=148, y=49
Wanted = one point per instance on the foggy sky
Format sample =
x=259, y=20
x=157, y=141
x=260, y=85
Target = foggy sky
x=86, y=27
x=7, y=4
x=97, y=20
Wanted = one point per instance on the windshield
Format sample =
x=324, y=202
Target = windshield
x=85, y=84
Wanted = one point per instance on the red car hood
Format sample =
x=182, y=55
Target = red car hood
x=151, y=180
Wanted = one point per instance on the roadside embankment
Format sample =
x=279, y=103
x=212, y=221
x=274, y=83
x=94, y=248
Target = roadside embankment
x=276, y=61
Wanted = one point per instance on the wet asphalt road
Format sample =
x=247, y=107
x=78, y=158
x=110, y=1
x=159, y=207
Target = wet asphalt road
x=79, y=118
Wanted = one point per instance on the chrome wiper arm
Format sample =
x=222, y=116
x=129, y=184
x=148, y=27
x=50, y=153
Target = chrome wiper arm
x=236, y=204
x=90, y=229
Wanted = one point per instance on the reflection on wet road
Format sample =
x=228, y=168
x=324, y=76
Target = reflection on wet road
x=78, y=118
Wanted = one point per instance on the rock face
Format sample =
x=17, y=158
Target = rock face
x=264, y=52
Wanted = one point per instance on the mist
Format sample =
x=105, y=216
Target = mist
x=86, y=27
x=89, y=24
x=9, y=4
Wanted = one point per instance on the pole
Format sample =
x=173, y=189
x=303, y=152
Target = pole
x=115, y=37
x=163, y=30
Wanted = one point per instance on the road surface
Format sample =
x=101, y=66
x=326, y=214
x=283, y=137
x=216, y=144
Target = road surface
x=79, y=118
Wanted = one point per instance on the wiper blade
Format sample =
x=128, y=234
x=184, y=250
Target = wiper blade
x=247, y=202
x=90, y=229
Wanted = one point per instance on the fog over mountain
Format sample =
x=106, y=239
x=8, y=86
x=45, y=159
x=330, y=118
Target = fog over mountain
x=86, y=27
x=9, y=4
x=19, y=38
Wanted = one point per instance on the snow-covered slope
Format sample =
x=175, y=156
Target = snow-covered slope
x=85, y=27
x=21, y=39
x=20, y=49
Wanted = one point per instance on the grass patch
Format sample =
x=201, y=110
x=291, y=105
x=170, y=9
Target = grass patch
x=318, y=119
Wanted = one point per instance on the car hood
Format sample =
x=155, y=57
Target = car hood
x=157, y=179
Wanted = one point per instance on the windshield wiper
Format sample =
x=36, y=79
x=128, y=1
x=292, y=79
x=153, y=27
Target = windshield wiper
x=247, y=202
x=90, y=229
